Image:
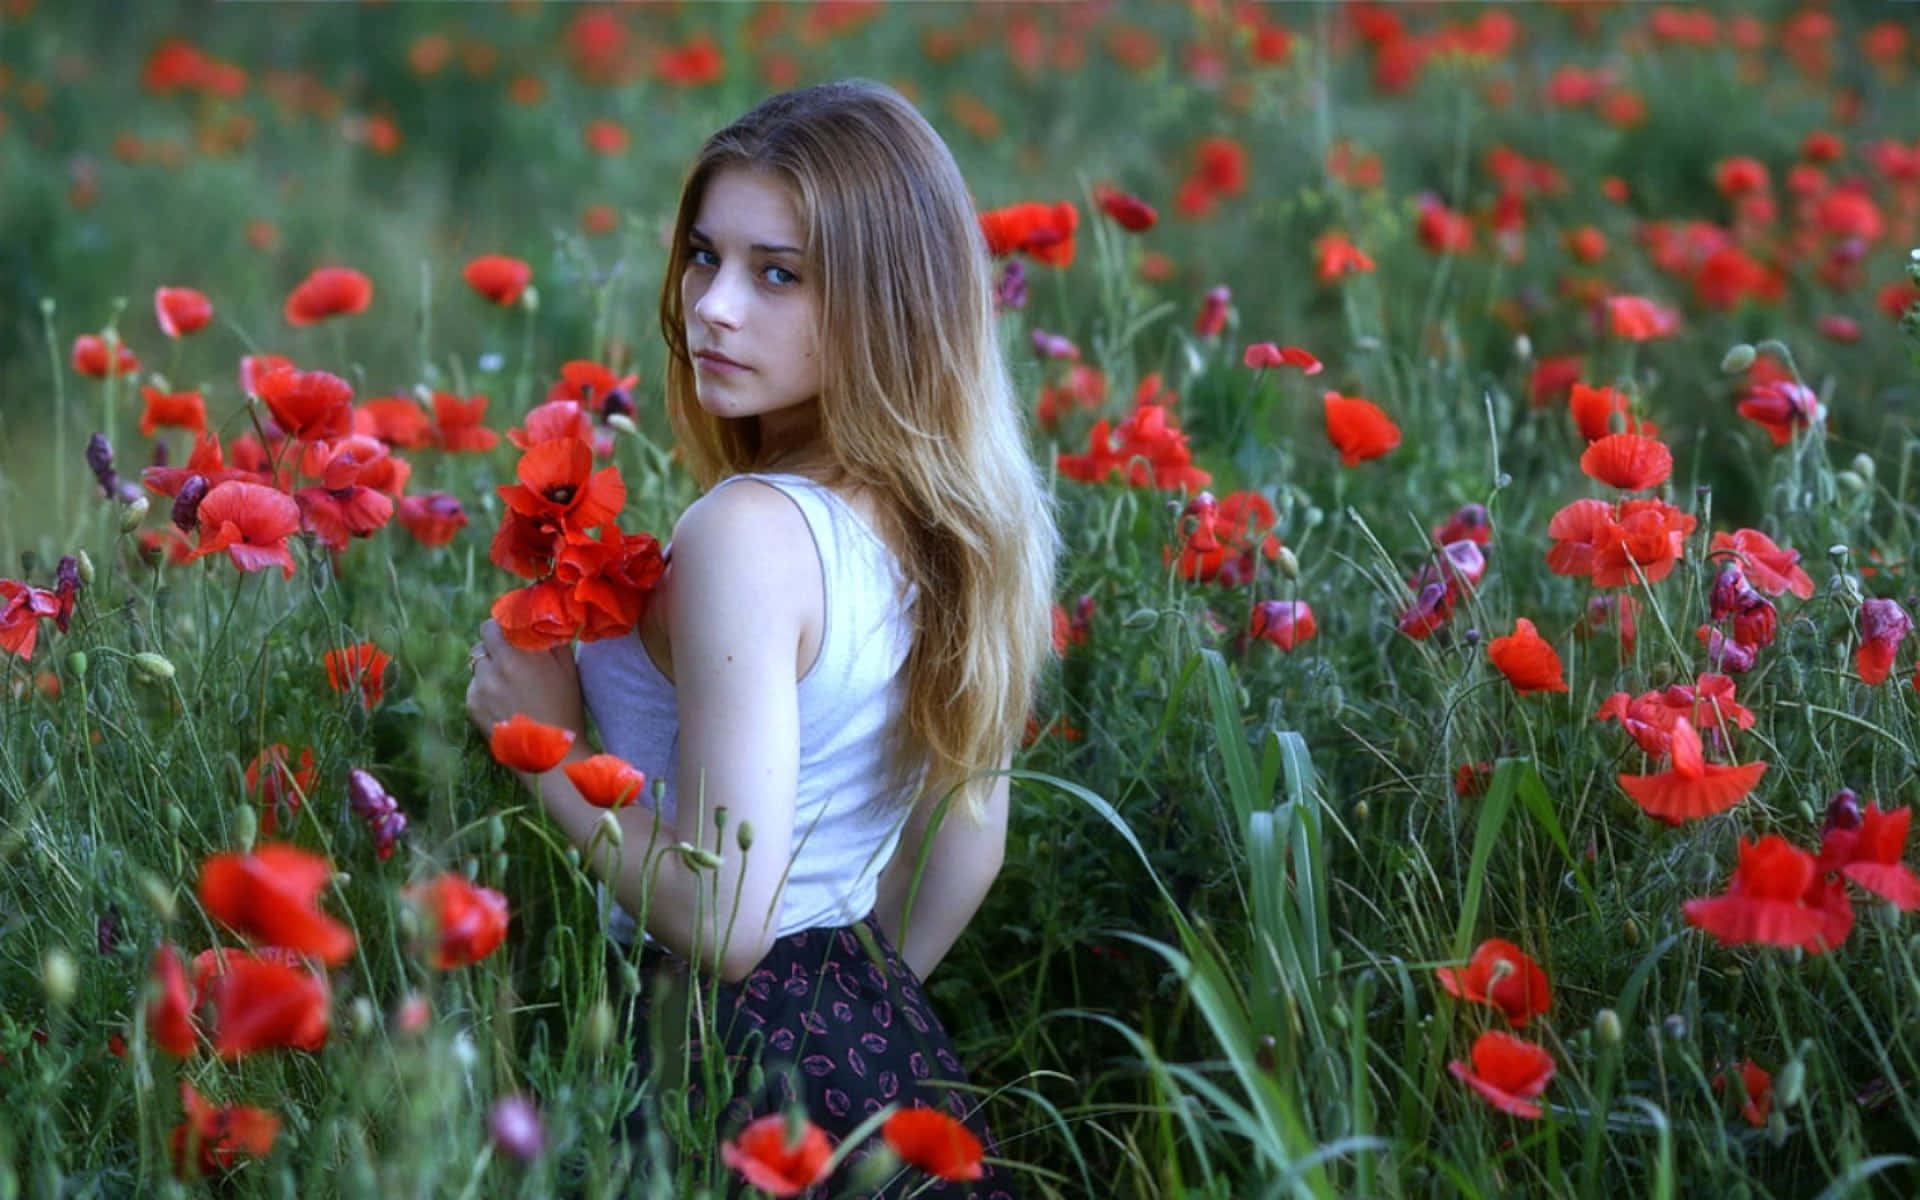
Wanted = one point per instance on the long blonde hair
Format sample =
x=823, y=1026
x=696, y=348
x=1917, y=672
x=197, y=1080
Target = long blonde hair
x=915, y=401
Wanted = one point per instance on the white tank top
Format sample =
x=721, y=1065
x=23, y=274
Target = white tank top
x=845, y=824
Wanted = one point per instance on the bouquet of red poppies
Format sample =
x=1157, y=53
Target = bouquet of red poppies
x=591, y=579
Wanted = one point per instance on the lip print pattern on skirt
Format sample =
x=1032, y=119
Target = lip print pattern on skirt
x=834, y=1027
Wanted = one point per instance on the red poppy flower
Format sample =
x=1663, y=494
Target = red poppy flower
x=935, y=1142
x=1502, y=976
x=1765, y=902
x=1553, y=379
x=498, y=277
x=433, y=519
x=1215, y=307
x=1285, y=623
x=1869, y=854
x=1650, y=717
x=1148, y=448
x=1639, y=320
x=274, y=783
x=1228, y=538
x=335, y=516
x=611, y=576
x=587, y=384
x=1593, y=410
x=525, y=744
x=181, y=311
x=1773, y=569
x=1442, y=230
x=268, y=896
x=1358, y=428
x=606, y=137
x=1756, y=1090
x=251, y=522
x=767, y=1161
x=606, y=780
x=1883, y=625
x=22, y=608
x=170, y=1011
x=1692, y=788
x=1128, y=211
x=215, y=1139
x=308, y=405
x=469, y=922
x=361, y=667
x=558, y=484
x=1627, y=461
x=1337, y=256
x=1527, y=660
x=1220, y=164
x=177, y=410
x=396, y=420
x=1469, y=523
x=90, y=357
x=1471, y=779
x=1507, y=1072
x=328, y=292
x=255, y=367
x=458, y=425
x=1262, y=355
x=261, y=1002
x=1043, y=232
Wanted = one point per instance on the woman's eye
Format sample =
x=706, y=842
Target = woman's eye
x=780, y=275
x=700, y=256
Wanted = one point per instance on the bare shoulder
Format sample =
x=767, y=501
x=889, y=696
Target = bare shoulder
x=745, y=549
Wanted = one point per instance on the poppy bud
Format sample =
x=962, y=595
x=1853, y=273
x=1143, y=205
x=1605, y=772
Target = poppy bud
x=152, y=667
x=496, y=832
x=83, y=565
x=1738, y=359
x=530, y=299
x=360, y=1016
x=1523, y=348
x=697, y=858
x=246, y=827
x=1843, y=811
x=133, y=514
x=1606, y=1027
x=1630, y=932
x=77, y=664
x=599, y=1030
x=1790, y=1083
x=623, y=423
x=1361, y=812
x=1862, y=465
x=59, y=977
x=743, y=836
x=159, y=894
x=186, y=503
x=609, y=828
x=1287, y=564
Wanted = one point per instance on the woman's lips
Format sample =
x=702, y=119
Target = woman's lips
x=713, y=361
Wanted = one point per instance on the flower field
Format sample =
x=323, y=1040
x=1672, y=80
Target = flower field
x=1480, y=750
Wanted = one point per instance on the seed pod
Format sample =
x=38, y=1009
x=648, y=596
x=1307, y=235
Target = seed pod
x=152, y=667
x=743, y=836
x=77, y=664
x=1738, y=358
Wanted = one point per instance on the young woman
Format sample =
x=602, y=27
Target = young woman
x=841, y=653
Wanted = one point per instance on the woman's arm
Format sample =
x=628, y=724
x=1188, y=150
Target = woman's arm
x=744, y=573
x=963, y=855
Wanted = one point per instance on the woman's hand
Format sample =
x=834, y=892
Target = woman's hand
x=543, y=685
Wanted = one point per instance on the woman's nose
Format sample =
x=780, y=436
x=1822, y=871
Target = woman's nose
x=720, y=303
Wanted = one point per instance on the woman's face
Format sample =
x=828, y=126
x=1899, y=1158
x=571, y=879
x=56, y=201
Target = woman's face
x=752, y=309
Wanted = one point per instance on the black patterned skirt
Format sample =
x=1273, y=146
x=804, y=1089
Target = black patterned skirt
x=833, y=1022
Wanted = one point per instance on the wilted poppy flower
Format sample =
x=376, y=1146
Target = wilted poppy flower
x=22, y=608
x=170, y=1011
x=90, y=357
x=433, y=519
x=251, y=522
x=1883, y=625
x=498, y=277
x=1507, y=1072
x=1765, y=902
x=1043, y=232
x=1128, y=211
x=1502, y=976
x=181, y=311
x=935, y=1142
x=177, y=410
x=268, y=896
x=1266, y=354
x=1358, y=428
x=1639, y=320
x=1692, y=788
x=308, y=405
x=1627, y=461
x=361, y=667
x=1285, y=623
x=215, y=1139
x=1527, y=660
x=468, y=921
x=261, y=1002
x=606, y=780
x=1869, y=854
x=766, y=1160
x=328, y=292
x=1756, y=1090
x=524, y=744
